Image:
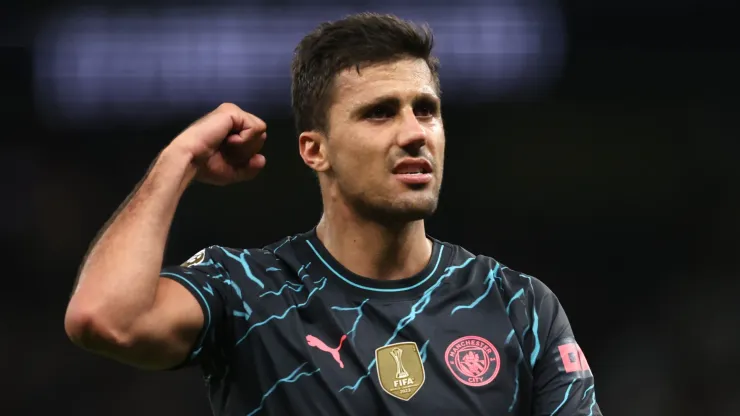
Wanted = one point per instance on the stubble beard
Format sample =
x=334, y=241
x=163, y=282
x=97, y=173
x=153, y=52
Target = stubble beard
x=397, y=212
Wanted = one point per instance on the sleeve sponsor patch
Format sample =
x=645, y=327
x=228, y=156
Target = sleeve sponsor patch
x=573, y=358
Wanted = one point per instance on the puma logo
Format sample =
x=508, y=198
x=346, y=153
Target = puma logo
x=315, y=342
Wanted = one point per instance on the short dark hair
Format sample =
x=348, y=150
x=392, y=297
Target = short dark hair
x=364, y=38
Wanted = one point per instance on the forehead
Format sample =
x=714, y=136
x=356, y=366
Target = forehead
x=405, y=78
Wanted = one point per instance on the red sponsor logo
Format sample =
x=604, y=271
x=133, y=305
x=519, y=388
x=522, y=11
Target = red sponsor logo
x=573, y=358
x=473, y=360
x=334, y=352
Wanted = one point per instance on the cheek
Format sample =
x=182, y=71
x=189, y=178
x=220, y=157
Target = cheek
x=439, y=144
x=353, y=163
x=364, y=155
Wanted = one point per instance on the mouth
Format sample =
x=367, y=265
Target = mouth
x=415, y=171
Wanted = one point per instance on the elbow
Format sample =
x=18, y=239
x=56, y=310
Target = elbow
x=79, y=326
x=88, y=329
x=92, y=331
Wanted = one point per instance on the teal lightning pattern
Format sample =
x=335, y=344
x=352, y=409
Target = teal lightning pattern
x=565, y=397
x=535, y=324
x=519, y=361
x=247, y=270
x=295, y=287
x=593, y=403
x=416, y=309
x=320, y=284
x=287, y=240
x=423, y=352
x=281, y=244
x=352, y=331
x=490, y=280
x=292, y=378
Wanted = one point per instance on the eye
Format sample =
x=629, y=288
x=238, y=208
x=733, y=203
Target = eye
x=425, y=109
x=380, y=112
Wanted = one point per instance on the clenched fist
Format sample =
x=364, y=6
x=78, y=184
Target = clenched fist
x=224, y=145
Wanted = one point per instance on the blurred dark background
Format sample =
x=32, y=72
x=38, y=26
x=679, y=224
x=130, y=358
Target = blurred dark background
x=591, y=144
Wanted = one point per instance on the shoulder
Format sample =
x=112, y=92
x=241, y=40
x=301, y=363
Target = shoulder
x=225, y=257
x=255, y=264
x=511, y=282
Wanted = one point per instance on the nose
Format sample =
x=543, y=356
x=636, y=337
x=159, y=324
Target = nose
x=413, y=136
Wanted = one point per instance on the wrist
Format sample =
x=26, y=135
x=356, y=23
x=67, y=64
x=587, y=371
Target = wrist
x=177, y=163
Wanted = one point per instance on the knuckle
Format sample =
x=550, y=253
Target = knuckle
x=257, y=123
x=214, y=121
x=228, y=107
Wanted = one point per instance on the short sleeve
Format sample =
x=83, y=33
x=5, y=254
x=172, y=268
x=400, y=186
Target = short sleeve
x=563, y=380
x=205, y=277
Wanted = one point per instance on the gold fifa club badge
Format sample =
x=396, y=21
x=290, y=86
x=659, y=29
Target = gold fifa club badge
x=196, y=259
x=400, y=369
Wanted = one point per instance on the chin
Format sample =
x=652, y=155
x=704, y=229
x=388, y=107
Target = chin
x=399, y=210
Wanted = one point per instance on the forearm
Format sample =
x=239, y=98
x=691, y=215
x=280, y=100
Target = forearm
x=118, y=279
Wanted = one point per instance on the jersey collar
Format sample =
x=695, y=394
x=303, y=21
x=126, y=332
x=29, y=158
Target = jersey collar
x=407, y=288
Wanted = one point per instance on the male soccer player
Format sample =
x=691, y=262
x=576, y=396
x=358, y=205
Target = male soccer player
x=364, y=314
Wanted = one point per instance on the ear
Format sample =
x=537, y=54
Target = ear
x=312, y=146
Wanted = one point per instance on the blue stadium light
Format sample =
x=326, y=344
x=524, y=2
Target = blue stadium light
x=94, y=65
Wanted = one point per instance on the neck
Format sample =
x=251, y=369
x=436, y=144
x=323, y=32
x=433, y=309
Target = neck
x=374, y=250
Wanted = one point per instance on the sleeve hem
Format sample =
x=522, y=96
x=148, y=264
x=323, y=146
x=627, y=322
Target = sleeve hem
x=205, y=308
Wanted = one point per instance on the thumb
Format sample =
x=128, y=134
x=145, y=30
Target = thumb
x=253, y=167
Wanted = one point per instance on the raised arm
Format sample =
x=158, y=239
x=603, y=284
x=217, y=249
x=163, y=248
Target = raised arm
x=120, y=307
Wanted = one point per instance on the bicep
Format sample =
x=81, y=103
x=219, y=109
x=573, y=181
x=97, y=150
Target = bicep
x=164, y=337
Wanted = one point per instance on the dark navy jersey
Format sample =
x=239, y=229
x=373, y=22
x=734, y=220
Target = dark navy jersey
x=290, y=331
